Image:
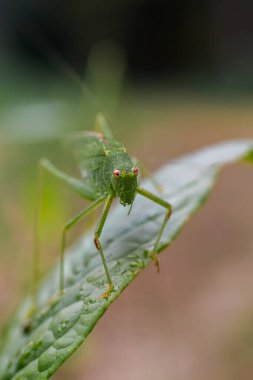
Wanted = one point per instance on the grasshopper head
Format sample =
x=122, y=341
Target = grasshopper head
x=125, y=184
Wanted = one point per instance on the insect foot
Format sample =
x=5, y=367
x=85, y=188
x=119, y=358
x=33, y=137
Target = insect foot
x=28, y=320
x=27, y=325
x=107, y=293
x=156, y=262
x=110, y=283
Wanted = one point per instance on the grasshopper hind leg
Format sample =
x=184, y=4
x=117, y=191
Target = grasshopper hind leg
x=76, y=185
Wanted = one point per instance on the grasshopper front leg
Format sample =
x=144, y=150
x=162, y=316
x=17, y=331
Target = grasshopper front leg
x=71, y=223
x=164, y=204
x=98, y=245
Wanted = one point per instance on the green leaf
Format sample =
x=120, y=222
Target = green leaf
x=61, y=324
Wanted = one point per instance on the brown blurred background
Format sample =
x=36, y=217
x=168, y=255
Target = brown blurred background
x=171, y=78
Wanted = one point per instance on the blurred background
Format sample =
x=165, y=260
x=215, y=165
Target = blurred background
x=171, y=77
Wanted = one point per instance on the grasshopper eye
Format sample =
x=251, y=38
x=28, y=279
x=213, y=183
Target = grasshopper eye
x=116, y=173
x=136, y=171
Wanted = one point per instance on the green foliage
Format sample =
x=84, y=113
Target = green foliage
x=61, y=324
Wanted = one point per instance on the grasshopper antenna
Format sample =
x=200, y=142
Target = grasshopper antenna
x=58, y=61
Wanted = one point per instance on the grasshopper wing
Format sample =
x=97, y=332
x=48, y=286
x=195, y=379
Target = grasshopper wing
x=89, y=150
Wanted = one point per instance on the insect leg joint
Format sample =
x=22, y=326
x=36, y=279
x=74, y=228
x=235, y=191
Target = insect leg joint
x=97, y=242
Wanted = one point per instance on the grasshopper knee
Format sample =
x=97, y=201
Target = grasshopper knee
x=43, y=162
x=97, y=242
x=169, y=212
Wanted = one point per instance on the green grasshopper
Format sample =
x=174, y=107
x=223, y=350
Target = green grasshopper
x=108, y=172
